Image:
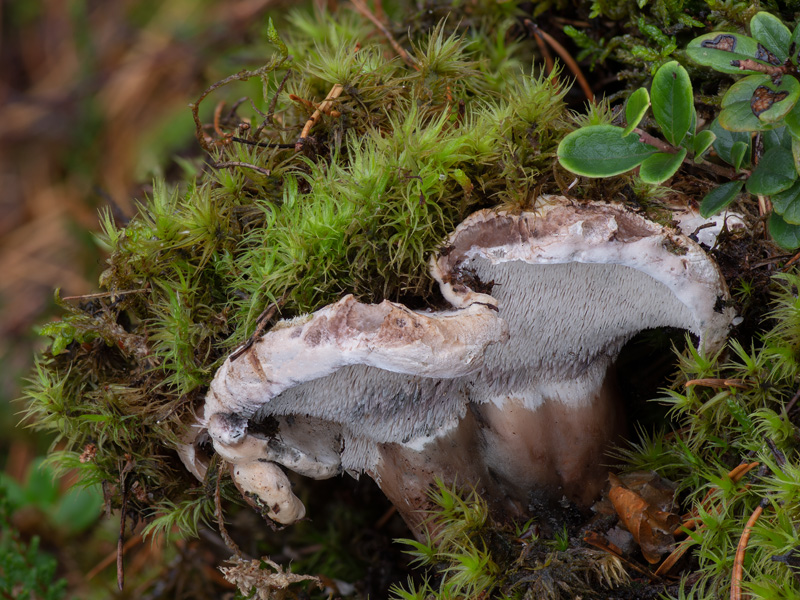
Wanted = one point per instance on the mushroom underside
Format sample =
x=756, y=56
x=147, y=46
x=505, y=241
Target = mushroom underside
x=513, y=392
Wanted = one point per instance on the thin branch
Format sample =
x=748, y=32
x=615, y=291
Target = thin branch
x=237, y=163
x=261, y=323
x=242, y=75
x=796, y=396
x=232, y=546
x=274, y=102
x=361, y=7
x=565, y=56
x=548, y=58
x=106, y=294
x=751, y=65
x=260, y=144
x=652, y=140
x=125, y=492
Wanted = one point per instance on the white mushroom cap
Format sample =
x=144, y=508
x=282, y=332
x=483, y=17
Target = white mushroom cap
x=544, y=301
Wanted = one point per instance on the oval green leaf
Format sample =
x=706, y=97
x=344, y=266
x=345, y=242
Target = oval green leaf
x=661, y=166
x=602, y=151
x=785, y=234
x=742, y=90
x=787, y=204
x=720, y=198
x=775, y=172
x=635, y=108
x=770, y=32
x=672, y=98
x=768, y=102
x=740, y=117
x=719, y=49
x=725, y=143
x=739, y=151
x=702, y=142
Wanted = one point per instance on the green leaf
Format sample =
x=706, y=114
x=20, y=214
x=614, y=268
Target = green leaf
x=725, y=141
x=777, y=138
x=602, y=151
x=768, y=102
x=719, y=49
x=796, y=41
x=775, y=172
x=787, y=204
x=738, y=152
x=771, y=103
x=740, y=117
x=79, y=508
x=785, y=234
x=719, y=198
x=702, y=142
x=792, y=120
x=673, y=101
x=742, y=90
x=41, y=489
x=796, y=153
x=771, y=33
x=661, y=166
x=635, y=108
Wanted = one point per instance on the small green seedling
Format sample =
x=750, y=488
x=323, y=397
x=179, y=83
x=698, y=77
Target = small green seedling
x=764, y=101
x=606, y=150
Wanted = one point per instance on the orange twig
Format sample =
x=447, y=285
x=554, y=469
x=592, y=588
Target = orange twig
x=217, y=117
x=324, y=106
x=735, y=475
x=716, y=383
x=738, y=562
x=548, y=58
x=565, y=56
x=307, y=103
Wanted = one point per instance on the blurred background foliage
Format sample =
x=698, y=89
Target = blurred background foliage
x=93, y=105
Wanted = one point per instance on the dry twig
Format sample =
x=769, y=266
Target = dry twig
x=323, y=107
x=565, y=56
x=361, y=7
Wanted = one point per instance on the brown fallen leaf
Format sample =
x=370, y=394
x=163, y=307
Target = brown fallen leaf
x=650, y=526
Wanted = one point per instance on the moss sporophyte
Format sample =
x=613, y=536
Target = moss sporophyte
x=344, y=174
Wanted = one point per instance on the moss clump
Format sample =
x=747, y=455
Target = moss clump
x=406, y=151
x=469, y=556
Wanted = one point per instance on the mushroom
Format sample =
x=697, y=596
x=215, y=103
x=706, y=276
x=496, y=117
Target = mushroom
x=512, y=391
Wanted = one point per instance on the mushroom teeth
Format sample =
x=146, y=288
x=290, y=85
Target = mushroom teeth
x=512, y=391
